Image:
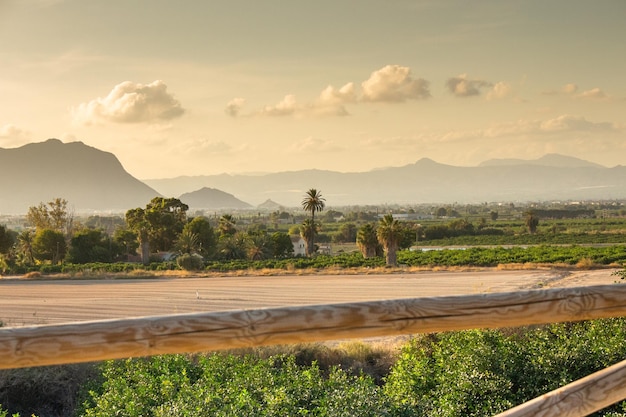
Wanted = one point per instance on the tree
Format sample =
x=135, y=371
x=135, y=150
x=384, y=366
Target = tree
x=312, y=202
x=49, y=245
x=137, y=222
x=233, y=247
x=7, y=239
x=308, y=230
x=227, y=226
x=281, y=245
x=54, y=215
x=188, y=242
x=367, y=241
x=90, y=245
x=205, y=233
x=532, y=221
x=158, y=225
x=347, y=233
x=259, y=246
x=166, y=218
x=389, y=232
x=126, y=241
x=25, y=246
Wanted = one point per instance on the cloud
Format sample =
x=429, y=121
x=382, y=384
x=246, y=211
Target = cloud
x=570, y=88
x=13, y=135
x=233, y=108
x=332, y=96
x=131, y=103
x=593, y=94
x=462, y=86
x=393, y=83
x=500, y=90
x=286, y=107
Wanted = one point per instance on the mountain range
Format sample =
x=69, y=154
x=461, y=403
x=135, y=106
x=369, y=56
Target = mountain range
x=94, y=180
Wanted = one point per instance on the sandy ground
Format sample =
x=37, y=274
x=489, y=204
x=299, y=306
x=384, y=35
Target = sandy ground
x=34, y=302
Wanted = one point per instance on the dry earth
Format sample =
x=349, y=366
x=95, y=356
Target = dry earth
x=25, y=302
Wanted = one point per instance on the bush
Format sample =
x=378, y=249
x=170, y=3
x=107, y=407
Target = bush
x=190, y=262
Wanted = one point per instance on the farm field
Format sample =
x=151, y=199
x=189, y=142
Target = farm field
x=35, y=302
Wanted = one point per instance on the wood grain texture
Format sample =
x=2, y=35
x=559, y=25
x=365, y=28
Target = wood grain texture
x=197, y=332
x=580, y=398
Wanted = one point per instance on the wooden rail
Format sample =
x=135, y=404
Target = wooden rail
x=199, y=332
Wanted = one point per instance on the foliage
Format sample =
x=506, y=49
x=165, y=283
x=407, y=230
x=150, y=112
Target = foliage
x=7, y=239
x=49, y=245
x=205, y=233
x=228, y=385
x=312, y=202
x=484, y=372
x=53, y=215
x=190, y=262
x=281, y=245
x=389, y=233
x=91, y=245
x=367, y=241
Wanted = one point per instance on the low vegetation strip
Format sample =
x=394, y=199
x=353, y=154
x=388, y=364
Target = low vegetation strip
x=470, y=373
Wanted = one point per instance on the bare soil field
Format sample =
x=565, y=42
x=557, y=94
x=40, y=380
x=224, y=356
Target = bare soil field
x=25, y=302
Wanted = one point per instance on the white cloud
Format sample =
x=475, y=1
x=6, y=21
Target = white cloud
x=233, y=108
x=13, y=135
x=286, y=107
x=332, y=96
x=593, y=94
x=462, y=86
x=131, y=103
x=500, y=90
x=393, y=83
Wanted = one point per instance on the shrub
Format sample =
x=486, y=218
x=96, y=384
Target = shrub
x=190, y=262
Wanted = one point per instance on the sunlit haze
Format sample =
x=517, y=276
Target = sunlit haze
x=206, y=87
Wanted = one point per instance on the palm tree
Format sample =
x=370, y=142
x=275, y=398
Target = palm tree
x=308, y=230
x=25, y=245
x=188, y=242
x=226, y=225
x=389, y=232
x=532, y=221
x=367, y=241
x=312, y=202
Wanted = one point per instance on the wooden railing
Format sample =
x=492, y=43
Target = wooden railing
x=199, y=332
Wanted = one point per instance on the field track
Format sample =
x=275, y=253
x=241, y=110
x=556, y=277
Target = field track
x=47, y=301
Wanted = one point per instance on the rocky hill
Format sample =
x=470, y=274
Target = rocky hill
x=89, y=179
x=212, y=199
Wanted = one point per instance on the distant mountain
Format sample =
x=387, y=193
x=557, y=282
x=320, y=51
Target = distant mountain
x=549, y=160
x=89, y=179
x=269, y=205
x=210, y=198
x=553, y=177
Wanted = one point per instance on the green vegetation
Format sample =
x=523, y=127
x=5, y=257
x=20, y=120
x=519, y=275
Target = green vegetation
x=454, y=374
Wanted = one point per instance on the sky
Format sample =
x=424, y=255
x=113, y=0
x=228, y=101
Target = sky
x=207, y=87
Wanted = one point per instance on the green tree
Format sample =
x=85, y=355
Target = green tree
x=158, y=225
x=49, y=245
x=126, y=240
x=312, y=202
x=259, y=246
x=281, y=245
x=25, y=246
x=139, y=224
x=53, y=215
x=90, y=245
x=207, y=240
x=166, y=218
x=7, y=239
x=188, y=242
x=308, y=230
x=227, y=225
x=367, y=241
x=389, y=233
x=233, y=246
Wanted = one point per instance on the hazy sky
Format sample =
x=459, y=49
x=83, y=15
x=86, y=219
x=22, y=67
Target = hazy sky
x=205, y=87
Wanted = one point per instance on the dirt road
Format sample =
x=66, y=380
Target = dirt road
x=32, y=302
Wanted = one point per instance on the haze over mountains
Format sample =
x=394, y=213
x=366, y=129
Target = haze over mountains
x=93, y=180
